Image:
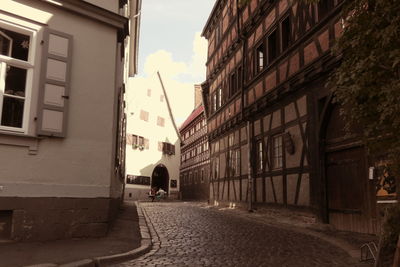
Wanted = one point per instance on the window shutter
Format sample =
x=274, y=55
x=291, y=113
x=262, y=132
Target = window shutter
x=54, y=84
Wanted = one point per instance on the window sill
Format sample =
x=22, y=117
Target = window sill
x=17, y=139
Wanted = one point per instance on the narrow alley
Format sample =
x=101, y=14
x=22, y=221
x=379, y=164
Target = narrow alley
x=192, y=234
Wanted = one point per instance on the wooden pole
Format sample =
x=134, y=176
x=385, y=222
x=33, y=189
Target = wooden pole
x=396, y=261
x=250, y=180
x=169, y=108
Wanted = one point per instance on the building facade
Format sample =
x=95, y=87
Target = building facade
x=276, y=137
x=195, y=157
x=153, y=145
x=61, y=117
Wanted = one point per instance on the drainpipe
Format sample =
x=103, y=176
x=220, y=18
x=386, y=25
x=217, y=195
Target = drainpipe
x=249, y=176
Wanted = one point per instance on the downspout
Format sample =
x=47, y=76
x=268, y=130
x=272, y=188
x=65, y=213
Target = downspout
x=249, y=132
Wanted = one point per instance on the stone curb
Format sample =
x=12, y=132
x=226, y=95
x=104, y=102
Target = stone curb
x=145, y=246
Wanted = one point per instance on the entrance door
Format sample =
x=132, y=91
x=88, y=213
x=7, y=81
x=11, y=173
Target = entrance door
x=349, y=191
x=160, y=178
x=346, y=177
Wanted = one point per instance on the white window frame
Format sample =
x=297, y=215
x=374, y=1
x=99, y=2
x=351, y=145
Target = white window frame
x=277, y=151
x=31, y=31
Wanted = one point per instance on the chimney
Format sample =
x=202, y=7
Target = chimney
x=197, y=95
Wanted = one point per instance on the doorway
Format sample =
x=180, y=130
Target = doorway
x=160, y=177
x=349, y=192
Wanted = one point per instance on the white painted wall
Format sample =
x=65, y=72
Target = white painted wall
x=143, y=162
x=79, y=165
x=110, y=5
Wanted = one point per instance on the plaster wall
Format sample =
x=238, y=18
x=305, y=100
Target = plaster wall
x=79, y=165
x=111, y=5
x=150, y=98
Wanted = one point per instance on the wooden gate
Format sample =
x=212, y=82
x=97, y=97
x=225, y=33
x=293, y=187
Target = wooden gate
x=348, y=198
x=350, y=194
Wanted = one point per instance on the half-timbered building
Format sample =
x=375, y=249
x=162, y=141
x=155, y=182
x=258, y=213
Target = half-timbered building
x=195, y=159
x=275, y=136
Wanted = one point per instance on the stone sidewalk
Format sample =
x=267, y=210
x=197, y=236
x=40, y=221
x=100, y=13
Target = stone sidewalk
x=122, y=242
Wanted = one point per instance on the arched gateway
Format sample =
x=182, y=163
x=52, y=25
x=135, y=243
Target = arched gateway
x=160, y=177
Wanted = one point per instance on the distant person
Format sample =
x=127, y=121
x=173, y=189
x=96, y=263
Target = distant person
x=160, y=193
x=152, y=193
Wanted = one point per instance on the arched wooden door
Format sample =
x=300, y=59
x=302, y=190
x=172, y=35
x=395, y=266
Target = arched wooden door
x=160, y=178
x=350, y=194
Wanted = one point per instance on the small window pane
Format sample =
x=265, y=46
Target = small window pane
x=15, y=81
x=272, y=47
x=285, y=33
x=13, y=112
x=14, y=44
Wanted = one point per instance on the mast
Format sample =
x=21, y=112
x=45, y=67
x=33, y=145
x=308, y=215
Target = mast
x=169, y=107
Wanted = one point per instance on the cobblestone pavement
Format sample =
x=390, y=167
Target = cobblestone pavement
x=190, y=234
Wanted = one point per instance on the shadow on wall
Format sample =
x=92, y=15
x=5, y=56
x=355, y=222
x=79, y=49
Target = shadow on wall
x=162, y=175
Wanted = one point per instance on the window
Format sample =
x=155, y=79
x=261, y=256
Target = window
x=215, y=168
x=230, y=139
x=277, y=152
x=324, y=6
x=285, y=33
x=239, y=80
x=160, y=121
x=16, y=71
x=235, y=162
x=140, y=180
x=260, y=57
x=168, y=148
x=174, y=183
x=219, y=97
x=218, y=32
x=259, y=156
x=144, y=115
x=146, y=143
x=141, y=141
x=272, y=47
x=134, y=139
x=161, y=98
x=202, y=176
x=214, y=102
x=149, y=92
x=233, y=84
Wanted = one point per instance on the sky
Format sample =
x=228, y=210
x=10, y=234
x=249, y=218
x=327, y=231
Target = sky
x=170, y=43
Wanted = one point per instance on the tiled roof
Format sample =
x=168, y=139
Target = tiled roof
x=195, y=113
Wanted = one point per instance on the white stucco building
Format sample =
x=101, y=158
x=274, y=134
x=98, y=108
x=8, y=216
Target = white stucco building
x=153, y=145
x=62, y=71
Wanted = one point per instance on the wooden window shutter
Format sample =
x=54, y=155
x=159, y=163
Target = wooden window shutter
x=54, y=84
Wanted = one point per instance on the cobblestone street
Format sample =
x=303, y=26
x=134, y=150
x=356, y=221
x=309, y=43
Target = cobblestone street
x=190, y=234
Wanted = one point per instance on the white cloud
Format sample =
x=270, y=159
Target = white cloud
x=162, y=61
x=180, y=93
x=197, y=66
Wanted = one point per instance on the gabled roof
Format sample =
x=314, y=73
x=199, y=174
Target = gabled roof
x=195, y=113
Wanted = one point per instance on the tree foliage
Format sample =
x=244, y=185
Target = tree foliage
x=367, y=84
x=367, y=80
